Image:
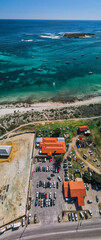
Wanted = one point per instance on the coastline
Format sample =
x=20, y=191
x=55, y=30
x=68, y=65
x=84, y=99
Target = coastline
x=47, y=105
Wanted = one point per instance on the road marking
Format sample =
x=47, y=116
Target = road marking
x=58, y=233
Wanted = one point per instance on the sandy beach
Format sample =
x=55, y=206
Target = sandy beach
x=40, y=106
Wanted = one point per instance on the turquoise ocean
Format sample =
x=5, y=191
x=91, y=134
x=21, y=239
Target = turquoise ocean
x=33, y=56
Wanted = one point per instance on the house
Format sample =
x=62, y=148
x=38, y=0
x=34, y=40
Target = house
x=82, y=129
x=75, y=189
x=52, y=145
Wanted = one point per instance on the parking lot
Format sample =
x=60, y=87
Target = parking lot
x=50, y=209
x=47, y=206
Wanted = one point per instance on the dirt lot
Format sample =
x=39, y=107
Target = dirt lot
x=14, y=179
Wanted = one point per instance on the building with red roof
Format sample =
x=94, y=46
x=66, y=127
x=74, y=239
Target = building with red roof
x=51, y=146
x=82, y=129
x=75, y=189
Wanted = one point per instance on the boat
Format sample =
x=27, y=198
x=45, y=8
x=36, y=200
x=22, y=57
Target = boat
x=40, y=70
x=90, y=73
x=53, y=83
x=82, y=55
x=74, y=58
x=97, y=57
x=67, y=62
x=57, y=61
x=45, y=61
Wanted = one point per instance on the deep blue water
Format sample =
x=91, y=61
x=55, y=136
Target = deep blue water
x=25, y=44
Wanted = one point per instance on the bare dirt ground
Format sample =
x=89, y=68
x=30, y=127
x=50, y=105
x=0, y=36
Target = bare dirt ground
x=15, y=174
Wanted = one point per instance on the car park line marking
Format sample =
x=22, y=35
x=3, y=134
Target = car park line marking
x=58, y=233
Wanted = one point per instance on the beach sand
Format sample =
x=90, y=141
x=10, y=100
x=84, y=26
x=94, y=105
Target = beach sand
x=40, y=106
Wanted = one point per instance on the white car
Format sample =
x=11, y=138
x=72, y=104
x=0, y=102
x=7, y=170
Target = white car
x=37, y=195
x=23, y=221
x=2, y=230
x=29, y=218
x=76, y=217
x=50, y=195
x=59, y=178
x=95, y=160
x=90, y=213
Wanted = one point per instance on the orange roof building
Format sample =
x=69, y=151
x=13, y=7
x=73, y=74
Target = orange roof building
x=51, y=146
x=82, y=128
x=75, y=189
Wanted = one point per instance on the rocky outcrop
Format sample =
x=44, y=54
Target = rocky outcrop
x=77, y=35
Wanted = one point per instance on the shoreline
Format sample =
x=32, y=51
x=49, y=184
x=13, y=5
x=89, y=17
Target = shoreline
x=6, y=109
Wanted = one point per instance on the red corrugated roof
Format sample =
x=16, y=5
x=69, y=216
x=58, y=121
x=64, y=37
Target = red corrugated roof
x=51, y=145
x=77, y=189
x=66, y=189
x=83, y=128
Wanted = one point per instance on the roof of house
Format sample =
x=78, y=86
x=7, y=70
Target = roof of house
x=83, y=128
x=52, y=145
x=5, y=150
x=66, y=189
x=77, y=189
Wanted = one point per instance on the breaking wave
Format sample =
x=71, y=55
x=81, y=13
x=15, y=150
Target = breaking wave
x=51, y=36
x=25, y=40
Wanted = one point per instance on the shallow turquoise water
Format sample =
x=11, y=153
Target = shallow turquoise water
x=24, y=45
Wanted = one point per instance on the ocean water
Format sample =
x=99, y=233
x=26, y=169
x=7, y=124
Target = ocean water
x=29, y=70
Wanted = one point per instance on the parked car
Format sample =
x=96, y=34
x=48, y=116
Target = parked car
x=53, y=202
x=97, y=199
x=57, y=185
x=36, y=202
x=35, y=218
x=50, y=195
x=37, y=195
x=90, y=212
x=69, y=217
x=29, y=218
x=76, y=217
x=59, y=219
x=81, y=215
x=72, y=216
x=89, y=201
x=46, y=202
x=66, y=179
x=86, y=215
x=52, y=175
x=54, y=185
x=59, y=178
x=23, y=221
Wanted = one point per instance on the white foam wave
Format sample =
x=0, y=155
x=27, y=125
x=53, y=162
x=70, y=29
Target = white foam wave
x=25, y=40
x=51, y=36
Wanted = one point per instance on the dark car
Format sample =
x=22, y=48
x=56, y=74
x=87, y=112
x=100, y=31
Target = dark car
x=40, y=183
x=35, y=219
x=59, y=219
x=36, y=202
x=51, y=202
x=69, y=217
x=39, y=195
x=52, y=175
x=57, y=185
x=97, y=199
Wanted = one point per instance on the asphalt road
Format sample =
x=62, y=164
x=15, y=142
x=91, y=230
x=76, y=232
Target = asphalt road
x=82, y=230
